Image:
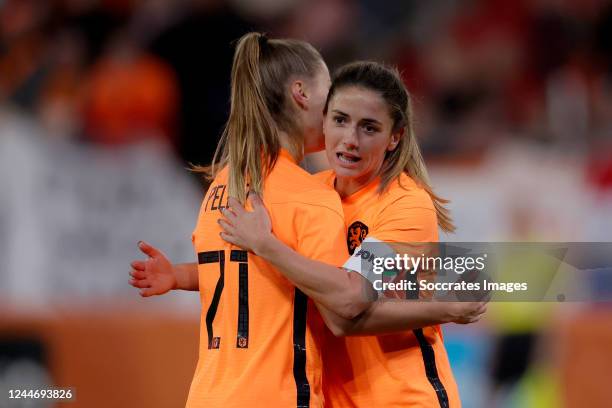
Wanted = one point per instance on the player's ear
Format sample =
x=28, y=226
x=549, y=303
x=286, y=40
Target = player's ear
x=298, y=94
x=396, y=136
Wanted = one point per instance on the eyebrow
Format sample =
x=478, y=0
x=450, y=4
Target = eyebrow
x=368, y=120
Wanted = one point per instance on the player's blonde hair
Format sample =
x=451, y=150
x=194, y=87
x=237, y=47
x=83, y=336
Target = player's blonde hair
x=406, y=157
x=259, y=108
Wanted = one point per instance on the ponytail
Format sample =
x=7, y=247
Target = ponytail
x=249, y=144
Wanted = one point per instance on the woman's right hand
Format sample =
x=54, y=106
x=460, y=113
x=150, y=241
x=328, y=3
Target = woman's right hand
x=249, y=230
x=154, y=276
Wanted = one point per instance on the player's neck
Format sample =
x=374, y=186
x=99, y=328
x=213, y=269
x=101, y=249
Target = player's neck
x=347, y=186
x=285, y=143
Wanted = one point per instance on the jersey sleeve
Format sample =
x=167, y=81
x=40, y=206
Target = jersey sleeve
x=407, y=220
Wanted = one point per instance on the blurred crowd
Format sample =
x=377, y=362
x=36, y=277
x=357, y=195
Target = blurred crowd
x=104, y=102
x=114, y=71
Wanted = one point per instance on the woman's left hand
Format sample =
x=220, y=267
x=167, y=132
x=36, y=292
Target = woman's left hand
x=249, y=230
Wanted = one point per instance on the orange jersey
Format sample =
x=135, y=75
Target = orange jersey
x=407, y=369
x=260, y=336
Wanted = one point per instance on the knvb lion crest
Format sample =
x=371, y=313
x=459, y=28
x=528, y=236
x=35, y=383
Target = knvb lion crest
x=242, y=342
x=356, y=234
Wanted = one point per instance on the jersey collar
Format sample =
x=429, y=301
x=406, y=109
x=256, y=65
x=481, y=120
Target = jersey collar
x=284, y=153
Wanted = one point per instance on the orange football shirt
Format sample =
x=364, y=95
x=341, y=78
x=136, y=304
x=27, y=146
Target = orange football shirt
x=406, y=369
x=260, y=336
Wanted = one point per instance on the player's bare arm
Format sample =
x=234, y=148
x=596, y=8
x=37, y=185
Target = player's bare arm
x=393, y=315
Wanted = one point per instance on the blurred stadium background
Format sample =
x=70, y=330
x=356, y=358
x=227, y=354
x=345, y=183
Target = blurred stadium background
x=104, y=102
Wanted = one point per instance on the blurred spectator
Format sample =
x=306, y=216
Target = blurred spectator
x=22, y=51
x=130, y=95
